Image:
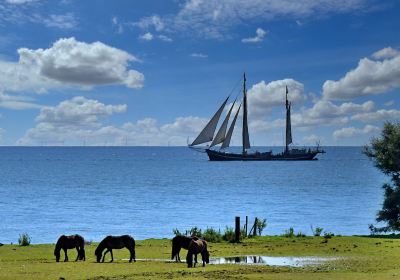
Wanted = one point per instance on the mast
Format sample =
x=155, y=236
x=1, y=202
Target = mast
x=245, y=130
x=288, y=123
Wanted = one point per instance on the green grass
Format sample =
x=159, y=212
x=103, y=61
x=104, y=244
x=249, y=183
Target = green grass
x=358, y=258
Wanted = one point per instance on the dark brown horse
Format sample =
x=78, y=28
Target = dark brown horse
x=179, y=242
x=197, y=247
x=116, y=242
x=70, y=242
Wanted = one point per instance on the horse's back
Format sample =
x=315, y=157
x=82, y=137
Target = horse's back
x=197, y=246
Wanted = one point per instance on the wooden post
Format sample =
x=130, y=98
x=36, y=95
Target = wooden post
x=237, y=229
x=246, y=224
x=255, y=227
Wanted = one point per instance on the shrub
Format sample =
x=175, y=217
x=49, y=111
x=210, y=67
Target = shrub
x=229, y=234
x=328, y=235
x=212, y=235
x=261, y=225
x=24, y=239
x=289, y=232
x=300, y=234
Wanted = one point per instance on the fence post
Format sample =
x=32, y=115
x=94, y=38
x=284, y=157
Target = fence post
x=255, y=227
x=246, y=225
x=237, y=229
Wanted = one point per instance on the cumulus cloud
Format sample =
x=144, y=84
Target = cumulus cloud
x=260, y=34
x=214, y=18
x=79, y=121
x=17, y=102
x=69, y=62
x=380, y=115
x=369, y=77
x=146, y=37
x=349, y=132
x=388, y=52
x=264, y=96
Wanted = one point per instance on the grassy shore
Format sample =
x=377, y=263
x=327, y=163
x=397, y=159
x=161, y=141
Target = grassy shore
x=355, y=258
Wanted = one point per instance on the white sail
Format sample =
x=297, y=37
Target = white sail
x=207, y=134
x=220, y=137
x=228, y=137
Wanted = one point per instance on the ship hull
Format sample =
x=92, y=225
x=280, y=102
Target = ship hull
x=268, y=156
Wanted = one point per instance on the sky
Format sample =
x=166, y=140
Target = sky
x=153, y=72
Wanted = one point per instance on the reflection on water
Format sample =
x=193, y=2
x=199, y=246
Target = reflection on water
x=274, y=261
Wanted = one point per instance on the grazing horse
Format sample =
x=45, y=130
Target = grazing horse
x=116, y=242
x=179, y=242
x=70, y=242
x=196, y=247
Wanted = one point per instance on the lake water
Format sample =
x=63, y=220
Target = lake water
x=149, y=191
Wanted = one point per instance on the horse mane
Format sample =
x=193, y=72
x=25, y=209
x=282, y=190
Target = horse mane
x=101, y=245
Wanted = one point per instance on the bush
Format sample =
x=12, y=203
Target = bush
x=212, y=235
x=289, y=232
x=328, y=235
x=261, y=225
x=24, y=239
x=300, y=234
x=317, y=231
x=229, y=234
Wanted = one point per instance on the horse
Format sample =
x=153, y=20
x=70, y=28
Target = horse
x=196, y=247
x=70, y=242
x=179, y=242
x=116, y=242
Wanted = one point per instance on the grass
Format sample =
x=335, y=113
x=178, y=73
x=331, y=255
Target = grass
x=358, y=258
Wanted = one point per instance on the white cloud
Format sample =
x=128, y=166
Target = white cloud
x=66, y=21
x=311, y=139
x=260, y=34
x=349, y=132
x=20, y=1
x=77, y=112
x=31, y=12
x=150, y=22
x=370, y=77
x=215, y=18
x=199, y=55
x=119, y=26
x=69, y=62
x=388, y=52
x=262, y=96
x=380, y=115
x=164, y=38
x=146, y=37
x=17, y=102
x=78, y=120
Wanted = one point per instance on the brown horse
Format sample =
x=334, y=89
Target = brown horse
x=196, y=247
x=179, y=242
x=116, y=242
x=70, y=242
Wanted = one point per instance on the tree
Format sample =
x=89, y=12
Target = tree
x=385, y=152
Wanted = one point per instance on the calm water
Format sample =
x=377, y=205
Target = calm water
x=148, y=191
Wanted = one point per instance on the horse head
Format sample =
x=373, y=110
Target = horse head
x=57, y=253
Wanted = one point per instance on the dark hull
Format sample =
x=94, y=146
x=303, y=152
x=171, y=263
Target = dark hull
x=221, y=156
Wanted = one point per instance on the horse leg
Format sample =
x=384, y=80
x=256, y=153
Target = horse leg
x=66, y=256
x=112, y=257
x=77, y=249
x=178, y=258
x=133, y=255
x=195, y=259
x=104, y=255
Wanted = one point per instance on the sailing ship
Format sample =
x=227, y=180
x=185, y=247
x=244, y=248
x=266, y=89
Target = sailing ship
x=223, y=137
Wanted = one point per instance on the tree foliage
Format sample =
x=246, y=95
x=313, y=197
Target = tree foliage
x=385, y=152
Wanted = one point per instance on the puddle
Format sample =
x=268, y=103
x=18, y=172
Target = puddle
x=273, y=261
x=257, y=260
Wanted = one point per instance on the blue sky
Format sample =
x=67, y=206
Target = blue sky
x=154, y=72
